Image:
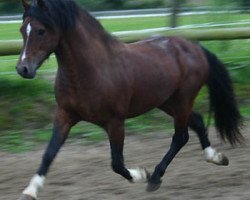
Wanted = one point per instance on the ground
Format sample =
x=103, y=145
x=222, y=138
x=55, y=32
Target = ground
x=82, y=172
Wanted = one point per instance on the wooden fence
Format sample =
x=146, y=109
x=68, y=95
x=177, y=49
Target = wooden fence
x=13, y=47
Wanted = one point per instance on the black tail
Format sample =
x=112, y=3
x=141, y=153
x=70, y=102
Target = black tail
x=228, y=120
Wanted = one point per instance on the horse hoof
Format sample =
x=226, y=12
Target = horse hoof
x=153, y=186
x=224, y=160
x=212, y=156
x=26, y=197
x=219, y=159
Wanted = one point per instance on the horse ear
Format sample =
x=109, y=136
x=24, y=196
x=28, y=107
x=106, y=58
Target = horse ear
x=26, y=4
x=41, y=3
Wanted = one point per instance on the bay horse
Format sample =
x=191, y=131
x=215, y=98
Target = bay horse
x=104, y=81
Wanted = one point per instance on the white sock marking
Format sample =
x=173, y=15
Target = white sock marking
x=28, y=31
x=35, y=184
x=139, y=174
x=211, y=155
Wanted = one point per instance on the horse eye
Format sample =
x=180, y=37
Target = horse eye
x=41, y=32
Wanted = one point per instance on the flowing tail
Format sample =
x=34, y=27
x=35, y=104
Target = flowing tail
x=228, y=120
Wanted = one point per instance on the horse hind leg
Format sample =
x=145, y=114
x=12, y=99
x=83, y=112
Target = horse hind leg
x=196, y=123
x=180, y=138
x=115, y=130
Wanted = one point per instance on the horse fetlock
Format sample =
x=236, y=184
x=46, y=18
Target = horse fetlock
x=26, y=197
x=153, y=185
x=118, y=168
x=212, y=156
x=154, y=182
x=139, y=174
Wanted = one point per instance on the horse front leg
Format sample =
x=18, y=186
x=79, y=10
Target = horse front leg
x=115, y=130
x=62, y=125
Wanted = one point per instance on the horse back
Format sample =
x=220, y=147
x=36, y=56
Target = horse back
x=161, y=67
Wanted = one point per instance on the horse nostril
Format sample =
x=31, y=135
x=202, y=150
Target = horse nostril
x=22, y=70
x=25, y=70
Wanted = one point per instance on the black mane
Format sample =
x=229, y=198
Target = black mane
x=63, y=14
x=55, y=13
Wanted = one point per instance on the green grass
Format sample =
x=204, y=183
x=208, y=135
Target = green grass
x=27, y=106
x=11, y=31
x=156, y=22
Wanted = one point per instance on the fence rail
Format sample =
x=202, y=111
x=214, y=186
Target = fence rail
x=13, y=47
x=10, y=47
x=149, y=12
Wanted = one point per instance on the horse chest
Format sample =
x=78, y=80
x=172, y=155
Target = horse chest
x=89, y=105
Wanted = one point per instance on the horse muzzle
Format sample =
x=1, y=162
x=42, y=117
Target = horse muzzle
x=26, y=71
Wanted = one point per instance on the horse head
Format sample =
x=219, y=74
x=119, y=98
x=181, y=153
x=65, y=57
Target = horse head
x=39, y=35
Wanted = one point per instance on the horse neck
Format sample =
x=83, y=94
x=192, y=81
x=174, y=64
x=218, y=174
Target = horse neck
x=83, y=52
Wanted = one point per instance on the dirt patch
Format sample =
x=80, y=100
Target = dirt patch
x=84, y=173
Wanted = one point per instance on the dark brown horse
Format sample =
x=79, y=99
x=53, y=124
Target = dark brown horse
x=104, y=81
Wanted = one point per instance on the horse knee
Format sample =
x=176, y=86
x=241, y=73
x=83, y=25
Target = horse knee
x=179, y=140
x=186, y=138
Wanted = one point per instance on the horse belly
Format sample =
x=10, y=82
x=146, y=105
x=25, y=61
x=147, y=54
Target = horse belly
x=151, y=93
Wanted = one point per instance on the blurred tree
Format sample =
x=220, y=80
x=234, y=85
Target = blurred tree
x=223, y=3
x=245, y=2
x=169, y=3
x=14, y=6
x=116, y=3
x=10, y=7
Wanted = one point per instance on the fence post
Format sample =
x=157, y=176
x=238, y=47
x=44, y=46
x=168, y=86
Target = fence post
x=173, y=18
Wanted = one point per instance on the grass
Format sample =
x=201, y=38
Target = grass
x=11, y=31
x=27, y=107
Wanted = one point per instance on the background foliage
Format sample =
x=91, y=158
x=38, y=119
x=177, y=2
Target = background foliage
x=7, y=7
